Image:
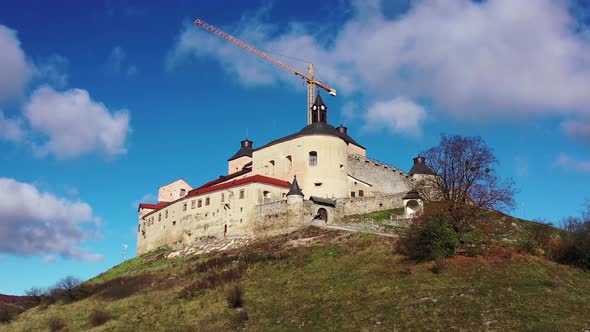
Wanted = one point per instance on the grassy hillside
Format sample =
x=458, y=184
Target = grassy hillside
x=317, y=279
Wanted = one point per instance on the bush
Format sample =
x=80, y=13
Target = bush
x=439, y=266
x=235, y=296
x=538, y=239
x=7, y=313
x=574, y=247
x=472, y=242
x=56, y=324
x=429, y=238
x=99, y=317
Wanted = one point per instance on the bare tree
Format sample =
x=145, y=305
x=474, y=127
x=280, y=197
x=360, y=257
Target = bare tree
x=465, y=176
x=35, y=293
x=67, y=285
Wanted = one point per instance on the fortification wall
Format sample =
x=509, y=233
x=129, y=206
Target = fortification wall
x=384, y=179
x=359, y=205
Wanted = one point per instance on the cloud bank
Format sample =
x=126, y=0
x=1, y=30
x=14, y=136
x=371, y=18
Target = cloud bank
x=14, y=68
x=498, y=59
x=65, y=124
x=34, y=222
x=75, y=124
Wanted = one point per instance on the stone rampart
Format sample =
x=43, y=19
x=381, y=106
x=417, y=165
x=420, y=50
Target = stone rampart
x=385, y=179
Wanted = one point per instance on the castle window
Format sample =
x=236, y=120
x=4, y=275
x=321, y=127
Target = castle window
x=199, y=203
x=272, y=167
x=159, y=216
x=207, y=200
x=182, y=192
x=193, y=204
x=222, y=197
x=174, y=223
x=184, y=206
x=242, y=194
x=352, y=194
x=361, y=193
x=166, y=214
x=313, y=158
x=289, y=163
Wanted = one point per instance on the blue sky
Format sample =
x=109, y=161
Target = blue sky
x=101, y=102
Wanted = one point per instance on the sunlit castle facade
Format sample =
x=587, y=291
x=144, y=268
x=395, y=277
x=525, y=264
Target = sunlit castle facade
x=317, y=173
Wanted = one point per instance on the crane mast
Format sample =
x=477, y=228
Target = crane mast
x=309, y=78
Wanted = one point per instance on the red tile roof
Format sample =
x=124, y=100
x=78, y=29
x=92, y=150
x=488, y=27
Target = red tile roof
x=250, y=179
x=224, y=178
x=234, y=183
x=153, y=206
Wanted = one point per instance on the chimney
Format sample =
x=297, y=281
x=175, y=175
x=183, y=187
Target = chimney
x=342, y=129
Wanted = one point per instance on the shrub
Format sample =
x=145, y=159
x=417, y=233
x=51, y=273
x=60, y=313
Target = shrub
x=430, y=238
x=472, y=242
x=439, y=266
x=235, y=296
x=538, y=239
x=7, y=314
x=574, y=248
x=99, y=317
x=56, y=324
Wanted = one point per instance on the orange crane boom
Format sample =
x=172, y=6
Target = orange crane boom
x=311, y=81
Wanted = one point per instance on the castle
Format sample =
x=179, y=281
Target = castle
x=318, y=174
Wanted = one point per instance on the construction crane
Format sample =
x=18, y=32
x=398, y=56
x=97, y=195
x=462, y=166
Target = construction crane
x=309, y=78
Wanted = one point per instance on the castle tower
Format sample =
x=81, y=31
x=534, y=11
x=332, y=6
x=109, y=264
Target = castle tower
x=295, y=203
x=319, y=110
x=240, y=158
x=420, y=169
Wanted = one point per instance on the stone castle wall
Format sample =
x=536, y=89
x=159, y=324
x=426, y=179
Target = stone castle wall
x=385, y=179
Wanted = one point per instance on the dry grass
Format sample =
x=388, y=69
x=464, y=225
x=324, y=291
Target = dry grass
x=342, y=282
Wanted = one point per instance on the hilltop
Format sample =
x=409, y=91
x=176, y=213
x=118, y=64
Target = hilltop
x=324, y=279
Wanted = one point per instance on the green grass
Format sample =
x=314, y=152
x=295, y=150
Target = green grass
x=343, y=281
x=152, y=260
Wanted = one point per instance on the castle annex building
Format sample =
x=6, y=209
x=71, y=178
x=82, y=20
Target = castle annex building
x=314, y=175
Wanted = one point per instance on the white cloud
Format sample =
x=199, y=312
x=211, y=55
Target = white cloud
x=497, y=58
x=34, y=222
x=14, y=68
x=400, y=115
x=11, y=129
x=117, y=63
x=75, y=124
x=572, y=164
x=54, y=69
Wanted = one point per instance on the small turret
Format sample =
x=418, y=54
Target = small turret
x=295, y=190
x=240, y=158
x=420, y=167
x=295, y=204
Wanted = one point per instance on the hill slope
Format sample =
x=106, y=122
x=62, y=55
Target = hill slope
x=317, y=279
